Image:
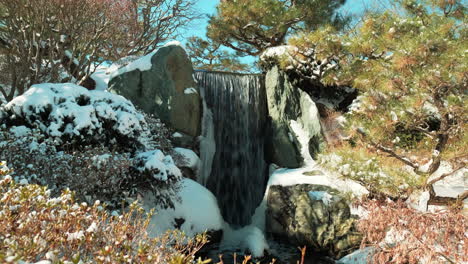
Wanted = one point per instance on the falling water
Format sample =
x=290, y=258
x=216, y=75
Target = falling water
x=238, y=172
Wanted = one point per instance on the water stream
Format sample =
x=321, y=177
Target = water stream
x=238, y=112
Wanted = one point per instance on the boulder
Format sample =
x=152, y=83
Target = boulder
x=161, y=83
x=315, y=216
x=295, y=125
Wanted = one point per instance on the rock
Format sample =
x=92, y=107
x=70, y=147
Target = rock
x=310, y=215
x=183, y=140
x=294, y=122
x=166, y=90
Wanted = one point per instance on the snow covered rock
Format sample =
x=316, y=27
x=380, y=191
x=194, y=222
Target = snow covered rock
x=71, y=113
x=295, y=128
x=189, y=162
x=197, y=211
x=310, y=215
x=361, y=256
x=159, y=83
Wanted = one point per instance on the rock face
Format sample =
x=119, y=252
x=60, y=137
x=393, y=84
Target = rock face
x=294, y=122
x=166, y=90
x=309, y=215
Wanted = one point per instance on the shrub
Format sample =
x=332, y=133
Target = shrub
x=64, y=40
x=68, y=113
x=94, y=172
x=37, y=227
x=404, y=235
x=409, y=64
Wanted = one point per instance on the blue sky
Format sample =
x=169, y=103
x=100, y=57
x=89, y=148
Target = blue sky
x=208, y=7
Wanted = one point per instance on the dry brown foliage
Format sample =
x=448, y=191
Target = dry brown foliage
x=37, y=227
x=405, y=235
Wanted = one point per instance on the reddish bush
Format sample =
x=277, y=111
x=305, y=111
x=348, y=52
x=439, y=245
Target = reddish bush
x=64, y=40
x=405, y=235
x=37, y=227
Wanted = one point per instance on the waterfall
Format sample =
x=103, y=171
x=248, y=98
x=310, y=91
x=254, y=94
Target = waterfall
x=238, y=173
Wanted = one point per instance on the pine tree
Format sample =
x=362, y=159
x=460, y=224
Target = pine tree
x=411, y=67
x=210, y=56
x=250, y=27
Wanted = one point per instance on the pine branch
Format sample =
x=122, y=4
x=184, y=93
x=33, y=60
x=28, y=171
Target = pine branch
x=443, y=176
x=391, y=152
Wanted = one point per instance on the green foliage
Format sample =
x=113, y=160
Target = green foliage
x=411, y=68
x=250, y=27
x=210, y=56
x=374, y=172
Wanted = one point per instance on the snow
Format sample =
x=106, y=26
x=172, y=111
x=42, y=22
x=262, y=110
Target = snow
x=357, y=104
x=20, y=131
x=423, y=201
x=174, y=43
x=101, y=76
x=325, y=197
x=177, y=135
x=249, y=238
x=360, y=256
x=190, y=91
x=143, y=63
x=303, y=137
x=191, y=158
x=162, y=166
x=198, y=207
x=75, y=236
x=277, y=52
x=451, y=186
x=100, y=160
x=92, y=228
x=73, y=111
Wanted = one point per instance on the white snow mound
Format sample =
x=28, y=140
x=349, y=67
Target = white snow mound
x=198, y=208
x=68, y=111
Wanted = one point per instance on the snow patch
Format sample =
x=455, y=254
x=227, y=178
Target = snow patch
x=277, y=52
x=101, y=76
x=143, y=63
x=158, y=164
x=191, y=159
x=451, y=186
x=190, y=90
x=198, y=208
x=303, y=137
x=360, y=256
x=325, y=197
x=177, y=135
x=20, y=131
x=249, y=238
